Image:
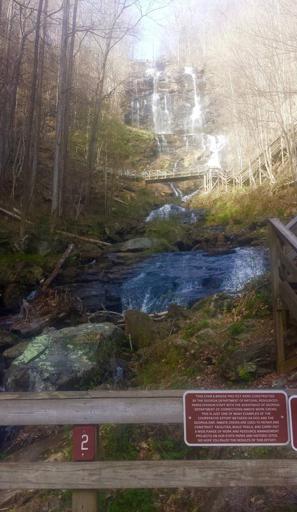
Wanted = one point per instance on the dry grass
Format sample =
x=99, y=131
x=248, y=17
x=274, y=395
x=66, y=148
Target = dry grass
x=244, y=207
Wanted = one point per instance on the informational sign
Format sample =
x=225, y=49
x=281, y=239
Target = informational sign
x=293, y=420
x=236, y=418
x=84, y=443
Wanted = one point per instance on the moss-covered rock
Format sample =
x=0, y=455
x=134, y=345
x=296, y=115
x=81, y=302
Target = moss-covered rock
x=143, y=330
x=245, y=362
x=66, y=359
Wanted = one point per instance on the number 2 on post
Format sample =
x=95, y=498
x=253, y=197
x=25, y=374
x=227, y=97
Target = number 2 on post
x=84, y=442
x=84, y=439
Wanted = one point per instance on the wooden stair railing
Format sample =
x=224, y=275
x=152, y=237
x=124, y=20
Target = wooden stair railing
x=284, y=288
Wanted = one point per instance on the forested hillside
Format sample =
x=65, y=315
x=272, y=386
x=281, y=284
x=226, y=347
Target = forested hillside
x=63, y=68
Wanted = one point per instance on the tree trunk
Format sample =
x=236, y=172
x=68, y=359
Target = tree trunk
x=38, y=115
x=68, y=99
x=59, y=163
x=27, y=165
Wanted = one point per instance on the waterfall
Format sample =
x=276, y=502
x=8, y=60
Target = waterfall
x=176, y=190
x=156, y=101
x=196, y=115
x=135, y=105
x=160, y=107
x=169, y=101
x=163, y=143
x=215, y=145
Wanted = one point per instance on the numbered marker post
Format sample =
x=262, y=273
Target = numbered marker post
x=85, y=448
x=84, y=443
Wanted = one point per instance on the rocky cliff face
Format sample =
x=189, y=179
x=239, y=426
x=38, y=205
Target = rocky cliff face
x=171, y=101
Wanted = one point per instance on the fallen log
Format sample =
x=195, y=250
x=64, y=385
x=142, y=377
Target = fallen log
x=120, y=201
x=106, y=316
x=28, y=328
x=16, y=216
x=83, y=238
x=57, y=268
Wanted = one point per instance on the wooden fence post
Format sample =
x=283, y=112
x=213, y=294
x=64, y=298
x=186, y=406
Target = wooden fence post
x=85, y=445
x=84, y=501
x=279, y=312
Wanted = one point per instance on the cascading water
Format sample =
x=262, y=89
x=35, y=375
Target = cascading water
x=176, y=190
x=216, y=144
x=196, y=115
x=185, y=277
x=161, y=110
x=171, y=101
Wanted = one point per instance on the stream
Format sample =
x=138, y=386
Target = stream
x=185, y=277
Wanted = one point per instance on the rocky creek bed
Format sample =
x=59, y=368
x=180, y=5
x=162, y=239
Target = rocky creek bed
x=68, y=340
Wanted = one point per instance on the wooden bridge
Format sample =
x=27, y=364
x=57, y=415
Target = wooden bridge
x=209, y=177
x=160, y=175
x=258, y=171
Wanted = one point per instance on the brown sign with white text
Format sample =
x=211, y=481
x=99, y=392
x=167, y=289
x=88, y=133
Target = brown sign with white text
x=235, y=418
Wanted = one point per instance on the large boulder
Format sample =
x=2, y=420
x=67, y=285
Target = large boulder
x=67, y=359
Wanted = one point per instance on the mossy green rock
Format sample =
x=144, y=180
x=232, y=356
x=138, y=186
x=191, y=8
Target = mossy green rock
x=242, y=363
x=66, y=359
x=143, y=330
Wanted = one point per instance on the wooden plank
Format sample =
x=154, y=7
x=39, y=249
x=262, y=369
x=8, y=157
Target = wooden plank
x=289, y=297
x=107, y=407
x=290, y=267
x=292, y=224
x=277, y=313
x=130, y=393
x=64, y=411
x=284, y=233
x=149, y=474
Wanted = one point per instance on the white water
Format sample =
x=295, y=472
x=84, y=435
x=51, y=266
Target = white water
x=172, y=101
x=216, y=144
x=160, y=107
x=196, y=116
x=184, y=278
x=172, y=210
x=183, y=197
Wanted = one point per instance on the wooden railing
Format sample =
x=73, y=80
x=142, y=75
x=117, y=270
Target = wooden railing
x=211, y=177
x=257, y=172
x=125, y=407
x=284, y=281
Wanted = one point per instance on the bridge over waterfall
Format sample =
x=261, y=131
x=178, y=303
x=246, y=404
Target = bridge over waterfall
x=209, y=178
x=262, y=169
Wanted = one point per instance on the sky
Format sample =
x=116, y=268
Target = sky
x=148, y=44
x=155, y=28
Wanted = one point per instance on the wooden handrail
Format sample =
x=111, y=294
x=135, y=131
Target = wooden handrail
x=93, y=407
x=292, y=223
x=284, y=233
x=148, y=474
x=68, y=408
x=284, y=273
